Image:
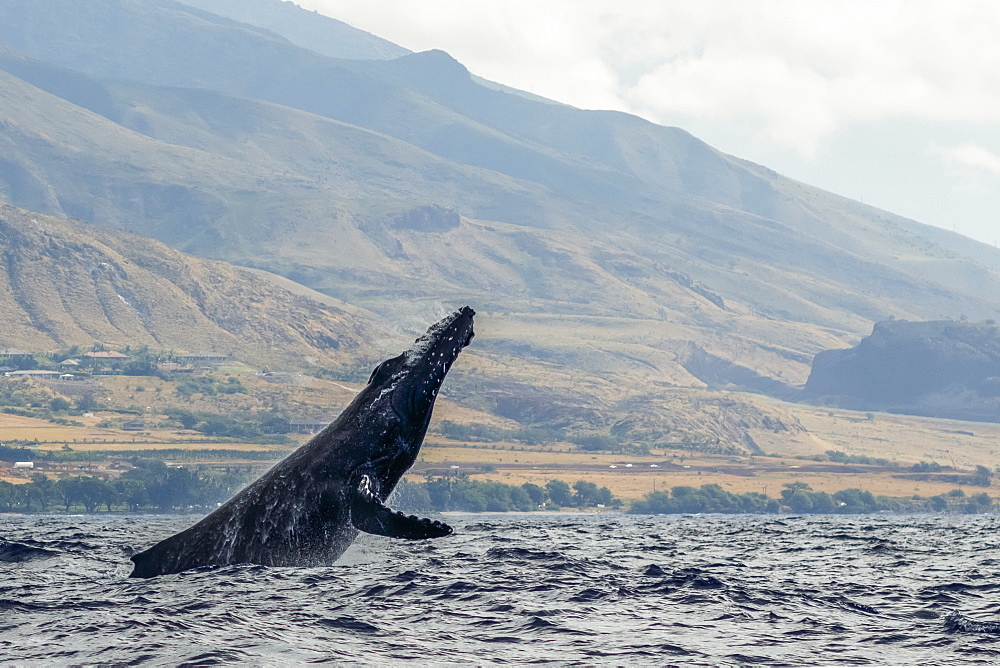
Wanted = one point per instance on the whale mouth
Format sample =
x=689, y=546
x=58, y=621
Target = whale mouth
x=442, y=342
x=423, y=367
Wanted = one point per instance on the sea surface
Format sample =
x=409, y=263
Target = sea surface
x=516, y=589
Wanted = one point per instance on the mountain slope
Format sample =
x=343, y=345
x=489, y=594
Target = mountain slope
x=64, y=284
x=296, y=157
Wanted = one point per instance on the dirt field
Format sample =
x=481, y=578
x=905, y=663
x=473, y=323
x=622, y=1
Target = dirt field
x=15, y=427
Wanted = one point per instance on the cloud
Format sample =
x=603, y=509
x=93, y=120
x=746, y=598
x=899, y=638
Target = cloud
x=541, y=48
x=971, y=156
x=971, y=169
x=806, y=69
x=797, y=70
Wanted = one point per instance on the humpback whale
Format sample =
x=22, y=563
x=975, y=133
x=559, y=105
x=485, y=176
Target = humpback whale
x=309, y=508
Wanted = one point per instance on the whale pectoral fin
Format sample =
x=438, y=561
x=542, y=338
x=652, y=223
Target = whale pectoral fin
x=385, y=522
x=370, y=515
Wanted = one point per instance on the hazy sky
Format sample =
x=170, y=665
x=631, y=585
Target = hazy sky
x=894, y=103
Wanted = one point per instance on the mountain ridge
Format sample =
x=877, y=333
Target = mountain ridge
x=764, y=220
x=308, y=29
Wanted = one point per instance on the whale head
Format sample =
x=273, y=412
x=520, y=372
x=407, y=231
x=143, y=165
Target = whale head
x=408, y=383
x=400, y=394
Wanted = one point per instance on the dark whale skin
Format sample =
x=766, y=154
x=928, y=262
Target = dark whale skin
x=309, y=508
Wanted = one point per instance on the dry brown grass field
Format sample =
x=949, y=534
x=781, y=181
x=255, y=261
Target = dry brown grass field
x=16, y=427
x=153, y=447
x=906, y=439
x=52, y=436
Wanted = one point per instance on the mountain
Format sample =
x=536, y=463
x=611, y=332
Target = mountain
x=938, y=369
x=624, y=263
x=305, y=28
x=63, y=284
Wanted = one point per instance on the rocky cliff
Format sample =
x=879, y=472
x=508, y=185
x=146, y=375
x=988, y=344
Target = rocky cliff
x=940, y=369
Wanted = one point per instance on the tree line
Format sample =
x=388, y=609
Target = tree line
x=800, y=498
x=467, y=495
x=151, y=485
x=154, y=486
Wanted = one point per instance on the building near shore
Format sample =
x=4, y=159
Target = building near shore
x=106, y=355
x=203, y=358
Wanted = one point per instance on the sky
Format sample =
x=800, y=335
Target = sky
x=894, y=103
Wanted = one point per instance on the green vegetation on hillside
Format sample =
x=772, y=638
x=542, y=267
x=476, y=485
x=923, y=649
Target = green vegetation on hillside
x=21, y=393
x=243, y=426
x=538, y=435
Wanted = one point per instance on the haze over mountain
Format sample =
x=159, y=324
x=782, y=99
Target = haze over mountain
x=608, y=251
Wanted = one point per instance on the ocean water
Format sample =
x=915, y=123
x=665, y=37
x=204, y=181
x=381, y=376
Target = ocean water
x=571, y=589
